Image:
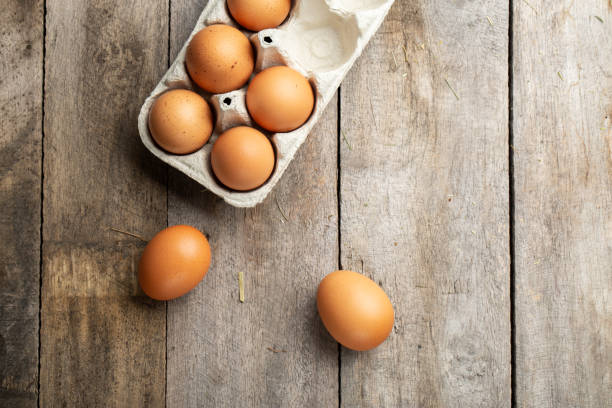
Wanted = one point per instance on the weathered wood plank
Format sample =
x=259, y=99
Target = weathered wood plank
x=103, y=341
x=563, y=211
x=21, y=66
x=272, y=350
x=424, y=205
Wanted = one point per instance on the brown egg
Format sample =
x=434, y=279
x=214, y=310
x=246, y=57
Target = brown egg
x=355, y=310
x=242, y=158
x=220, y=58
x=257, y=15
x=173, y=262
x=180, y=121
x=280, y=99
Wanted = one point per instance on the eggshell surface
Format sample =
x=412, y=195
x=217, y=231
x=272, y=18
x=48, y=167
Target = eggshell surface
x=257, y=15
x=220, y=58
x=173, y=262
x=354, y=310
x=280, y=99
x=180, y=121
x=242, y=158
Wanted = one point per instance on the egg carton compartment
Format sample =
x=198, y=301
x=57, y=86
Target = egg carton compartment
x=321, y=39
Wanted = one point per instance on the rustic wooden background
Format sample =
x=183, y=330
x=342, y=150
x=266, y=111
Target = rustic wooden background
x=465, y=165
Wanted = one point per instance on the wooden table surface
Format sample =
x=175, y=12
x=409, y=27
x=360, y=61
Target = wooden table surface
x=465, y=165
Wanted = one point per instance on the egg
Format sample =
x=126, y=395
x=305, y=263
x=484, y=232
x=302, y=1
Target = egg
x=280, y=99
x=173, y=262
x=220, y=58
x=180, y=121
x=242, y=158
x=354, y=310
x=257, y=15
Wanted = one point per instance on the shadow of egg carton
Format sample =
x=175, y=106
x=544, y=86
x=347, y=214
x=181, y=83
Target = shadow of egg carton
x=320, y=39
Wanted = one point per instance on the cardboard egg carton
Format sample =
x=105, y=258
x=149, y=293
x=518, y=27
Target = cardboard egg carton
x=321, y=39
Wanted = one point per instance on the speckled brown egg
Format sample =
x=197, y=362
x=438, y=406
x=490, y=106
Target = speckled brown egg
x=173, y=262
x=355, y=310
x=257, y=15
x=220, y=58
x=242, y=158
x=280, y=99
x=180, y=121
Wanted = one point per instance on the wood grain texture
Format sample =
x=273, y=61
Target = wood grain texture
x=21, y=66
x=271, y=350
x=563, y=189
x=424, y=205
x=102, y=340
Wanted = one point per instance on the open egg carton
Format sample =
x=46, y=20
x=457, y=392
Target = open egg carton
x=321, y=39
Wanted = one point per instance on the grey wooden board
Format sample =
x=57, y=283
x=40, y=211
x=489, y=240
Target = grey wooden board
x=102, y=339
x=424, y=205
x=21, y=65
x=271, y=350
x=563, y=191
x=424, y=208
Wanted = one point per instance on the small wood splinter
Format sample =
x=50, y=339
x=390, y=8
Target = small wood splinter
x=284, y=219
x=276, y=350
x=451, y=88
x=405, y=53
x=128, y=233
x=241, y=286
x=346, y=140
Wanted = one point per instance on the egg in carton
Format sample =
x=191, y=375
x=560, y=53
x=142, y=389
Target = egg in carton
x=321, y=39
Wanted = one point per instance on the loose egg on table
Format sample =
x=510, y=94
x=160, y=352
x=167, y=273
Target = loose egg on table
x=280, y=99
x=180, y=121
x=173, y=262
x=257, y=15
x=354, y=310
x=220, y=58
x=242, y=158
